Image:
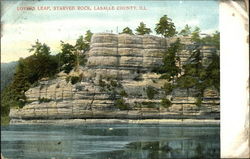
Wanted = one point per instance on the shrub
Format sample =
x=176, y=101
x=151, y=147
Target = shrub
x=113, y=83
x=151, y=92
x=67, y=79
x=168, y=88
x=198, y=101
x=75, y=79
x=44, y=100
x=149, y=104
x=120, y=103
x=102, y=83
x=123, y=93
x=166, y=103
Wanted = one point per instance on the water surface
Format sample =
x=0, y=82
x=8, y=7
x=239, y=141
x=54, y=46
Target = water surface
x=110, y=141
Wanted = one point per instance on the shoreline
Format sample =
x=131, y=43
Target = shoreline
x=198, y=122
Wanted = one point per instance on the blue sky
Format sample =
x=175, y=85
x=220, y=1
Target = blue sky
x=20, y=29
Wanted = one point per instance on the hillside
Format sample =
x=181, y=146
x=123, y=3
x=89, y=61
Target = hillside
x=7, y=72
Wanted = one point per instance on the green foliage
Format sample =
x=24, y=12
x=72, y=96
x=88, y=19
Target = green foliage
x=165, y=27
x=67, y=79
x=186, y=81
x=212, y=77
x=28, y=71
x=127, y=30
x=88, y=36
x=114, y=83
x=5, y=120
x=75, y=79
x=149, y=104
x=186, y=31
x=71, y=56
x=120, y=103
x=142, y=29
x=7, y=73
x=213, y=40
x=198, y=101
x=169, y=69
x=198, y=76
x=67, y=59
x=195, y=36
x=166, y=103
x=193, y=71
x=123, y=93
x=40, y=65
x=39, y=49
x=168, y=88
x=81, y=45
x=44, y=100
x=102, y=83
x=151, y=92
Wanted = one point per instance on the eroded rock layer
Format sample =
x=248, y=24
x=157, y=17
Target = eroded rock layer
x=116, y=82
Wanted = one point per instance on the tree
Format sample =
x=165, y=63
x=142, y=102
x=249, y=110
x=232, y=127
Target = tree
x=88, y=36
x=127, y=30
x=169, y=69
x=142, y=29
x=195, y=35
x=67, y=58
x=39, y=49
x=40, y=64
x=71, y=56
x=186, y=31
x=212, y=78
x=82, y=46
x=213, y=40
x=165, y=27
x=28, y=71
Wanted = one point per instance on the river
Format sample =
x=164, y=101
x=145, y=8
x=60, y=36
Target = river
x=110, y=141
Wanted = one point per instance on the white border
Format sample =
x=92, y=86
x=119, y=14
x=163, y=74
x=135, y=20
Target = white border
x=234, y=80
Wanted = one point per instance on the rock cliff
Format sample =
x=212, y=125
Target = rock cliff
x=118, y=82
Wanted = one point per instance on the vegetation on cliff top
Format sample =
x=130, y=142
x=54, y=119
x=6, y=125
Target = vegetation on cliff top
x=194, y=73
x=42, y=64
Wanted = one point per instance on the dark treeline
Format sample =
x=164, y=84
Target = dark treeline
x=7, y=72
x=42, y=64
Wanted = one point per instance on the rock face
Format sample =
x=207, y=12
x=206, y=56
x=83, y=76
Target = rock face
x=118, y=82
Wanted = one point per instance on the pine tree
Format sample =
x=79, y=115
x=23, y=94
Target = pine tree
x=165, y=27
x=142, y=29
x=127, y=30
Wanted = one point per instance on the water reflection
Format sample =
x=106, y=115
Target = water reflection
x=163, y=150
x=115, y=141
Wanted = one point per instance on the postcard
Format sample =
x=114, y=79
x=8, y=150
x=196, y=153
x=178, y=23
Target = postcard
x=124, y=79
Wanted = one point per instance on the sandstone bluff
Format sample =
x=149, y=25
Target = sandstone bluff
x=118, y=67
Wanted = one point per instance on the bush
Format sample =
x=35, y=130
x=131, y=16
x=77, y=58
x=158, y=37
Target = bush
x=166, y=103
x=123, y=93
x=120, y=103
x=75, y=79
x=151, y=92
x=149, y=104
x=44, y=100
x=168, y=88
x=113, y=83
x=102, y=83
x=198, y=101
x=67, y=79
